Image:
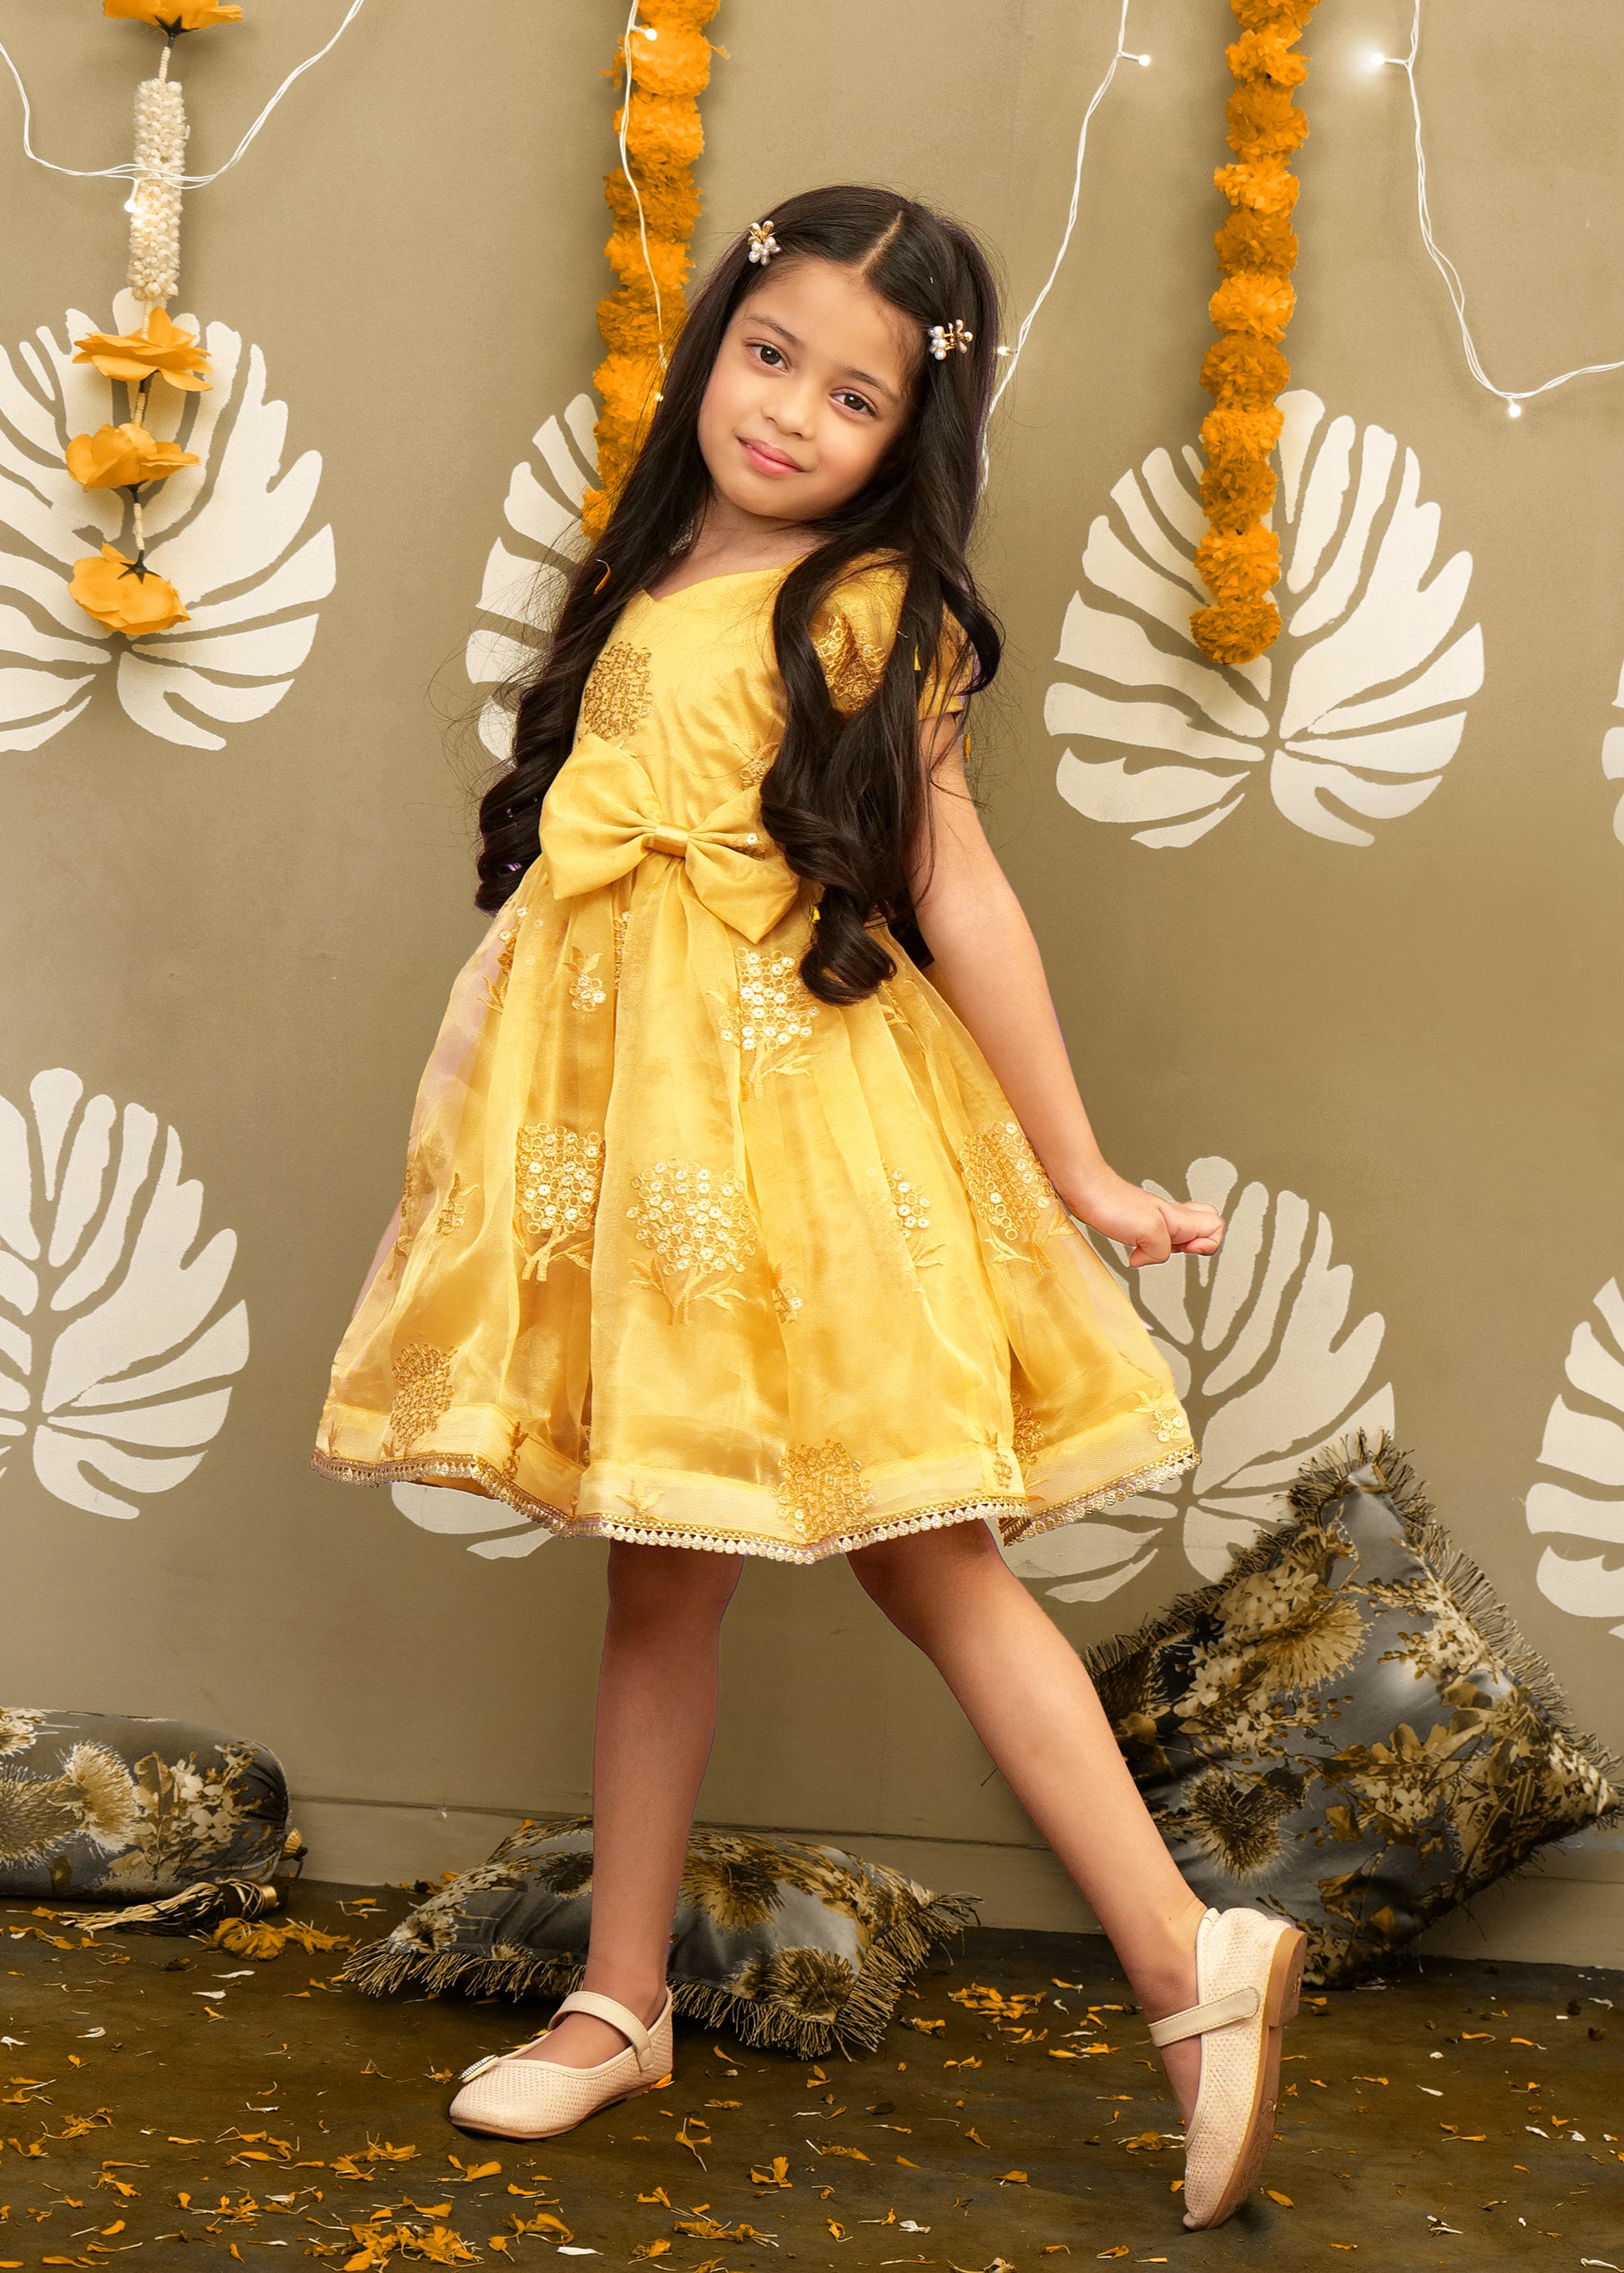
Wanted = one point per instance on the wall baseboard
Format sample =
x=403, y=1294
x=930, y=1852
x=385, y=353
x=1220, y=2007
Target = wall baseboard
x=1568, y=1910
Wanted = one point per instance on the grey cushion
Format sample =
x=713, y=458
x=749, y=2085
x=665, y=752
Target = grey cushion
x=1347, y=1730
x=806, y=1948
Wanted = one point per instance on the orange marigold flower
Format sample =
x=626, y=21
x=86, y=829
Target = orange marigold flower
x=175, y=15
x=125, y=595
x=1266, y=54
x=1254, y=301
x=1262, y=121
x=1238, y=565
x=159, y=345
x=1236, y=631
x=1230, y=433
x=1238, y=492
x=1253, y=240
x=1264, y=186
x=1284, y=15
x=1242, y=372
x=123, y=457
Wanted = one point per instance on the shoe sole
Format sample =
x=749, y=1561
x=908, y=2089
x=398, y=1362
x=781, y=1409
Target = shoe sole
x=1281, y=2000
x=489, y=2131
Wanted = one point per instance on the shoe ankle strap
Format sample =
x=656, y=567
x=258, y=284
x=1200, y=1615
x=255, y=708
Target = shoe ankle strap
x=1196, y=2020
x=618, y=2015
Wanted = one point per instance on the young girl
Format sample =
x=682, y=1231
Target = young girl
x=726, y=1231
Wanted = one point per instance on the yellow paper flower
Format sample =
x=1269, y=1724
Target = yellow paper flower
x=159, y=345
x=124, y=595
x=123, y=457
x=175, y=15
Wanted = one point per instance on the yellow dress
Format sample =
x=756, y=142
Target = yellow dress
x=685, y=1255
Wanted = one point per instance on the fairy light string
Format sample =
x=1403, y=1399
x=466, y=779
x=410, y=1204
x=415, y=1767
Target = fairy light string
x=1513, y=397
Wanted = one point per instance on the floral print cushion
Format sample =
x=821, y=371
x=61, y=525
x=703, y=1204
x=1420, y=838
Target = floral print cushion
x=804, y=1947
x=1347, y=1730
x=132, y=1810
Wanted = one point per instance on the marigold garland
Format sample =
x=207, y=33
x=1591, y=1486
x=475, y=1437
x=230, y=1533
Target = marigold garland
x=663, y=137
x=1239, y=559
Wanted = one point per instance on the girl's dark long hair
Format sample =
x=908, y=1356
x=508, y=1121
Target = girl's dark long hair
x=845, y=797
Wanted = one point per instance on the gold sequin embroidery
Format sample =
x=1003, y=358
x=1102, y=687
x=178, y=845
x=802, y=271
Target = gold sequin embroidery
x=697, y=1231
x=1030, y=1434
x=585, y=991
x=1003, y=1474
x=495, y=995
x=417, y=1190
x=622, y=922
x=754, y=770
x=913, y=1209
x=853, y=666
x=785, y=1301
x=423, y=1396
x=452, y=1210
x=1016, y=1204
x=617, y=691
x=1166, y=1416
x=820, y=1490
x=772, y=1015
x=556, y=1176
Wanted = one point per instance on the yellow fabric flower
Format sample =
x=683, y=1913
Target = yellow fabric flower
x=175, y=15
x=123, y=457
x=125, y=595
x=159, y=345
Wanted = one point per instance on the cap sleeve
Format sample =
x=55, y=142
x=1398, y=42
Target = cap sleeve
x=854, y=631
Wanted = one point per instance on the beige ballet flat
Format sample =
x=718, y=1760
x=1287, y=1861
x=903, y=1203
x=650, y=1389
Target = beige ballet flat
x=1249, y=1972
x=514, y=2098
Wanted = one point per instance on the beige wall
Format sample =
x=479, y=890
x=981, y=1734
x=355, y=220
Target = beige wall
x=1418, y=1036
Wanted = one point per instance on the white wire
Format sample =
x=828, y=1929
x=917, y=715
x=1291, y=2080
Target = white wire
x=1512, y=398
x=128, y=171
x=1121, y=56
x=632, y=26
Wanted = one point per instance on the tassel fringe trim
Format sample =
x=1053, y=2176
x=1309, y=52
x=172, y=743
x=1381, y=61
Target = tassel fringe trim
x=889, y=1964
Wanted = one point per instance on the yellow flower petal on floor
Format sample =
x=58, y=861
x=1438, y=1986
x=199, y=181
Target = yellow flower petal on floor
x=122, y=457
x=111, y=589
x=160, y=346
x=175, y=15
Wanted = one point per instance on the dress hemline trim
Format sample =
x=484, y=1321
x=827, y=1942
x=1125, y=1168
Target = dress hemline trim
x=1016, y=1522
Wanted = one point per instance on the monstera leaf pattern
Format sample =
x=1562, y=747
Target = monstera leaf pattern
x=1584, y=1442
x=227, y=532
x=1612, y=759
x=543, y=511
x=116, y=1355
x=1355, y=708
x=1270, y=1372
x=432, y=1508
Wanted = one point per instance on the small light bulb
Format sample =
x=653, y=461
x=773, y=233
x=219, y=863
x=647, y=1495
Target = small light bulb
x=1141, y=59
x=129, y=201
x=1514, y=410
x=1376, y=59
x=648, y=31
x=1003, y=351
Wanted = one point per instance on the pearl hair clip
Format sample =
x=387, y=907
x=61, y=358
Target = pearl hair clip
x=944, y=337
x=763, y=244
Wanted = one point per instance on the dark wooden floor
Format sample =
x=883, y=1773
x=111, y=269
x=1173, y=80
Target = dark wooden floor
x=166, y=2099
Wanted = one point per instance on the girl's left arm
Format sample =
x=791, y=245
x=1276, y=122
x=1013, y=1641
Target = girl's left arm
x=988, y=968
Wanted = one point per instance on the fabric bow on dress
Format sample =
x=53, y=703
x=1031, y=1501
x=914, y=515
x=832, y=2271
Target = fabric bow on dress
x=601, y=817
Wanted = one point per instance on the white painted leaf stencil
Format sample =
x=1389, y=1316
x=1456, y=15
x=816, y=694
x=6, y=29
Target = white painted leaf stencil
x=521, y=586
x=227, y=532
x=1355, y=710
x=1269, y=1370
x=433, y=1507
x=117, y=1348
x=1584, y=1443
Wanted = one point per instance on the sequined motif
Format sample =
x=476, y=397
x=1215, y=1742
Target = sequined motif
x=621, y=922
x=508, y=940
x=785, y=1301
x=1166, y=1416
x=421, y=1396
x=417, y=1190
x=585, y=991
x=912, y=1208
x=754, y=770
x=453, y=1209
x=772, y=1017
x=1010, y=1192
x=1030, y=1435
x=821, y=1491
x=556, y=1176
x=697, y=1232
x=853, y=666
x=617, y=691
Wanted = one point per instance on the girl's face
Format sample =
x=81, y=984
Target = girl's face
x=813, y=384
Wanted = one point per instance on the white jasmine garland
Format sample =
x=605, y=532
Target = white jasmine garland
x=161, y=131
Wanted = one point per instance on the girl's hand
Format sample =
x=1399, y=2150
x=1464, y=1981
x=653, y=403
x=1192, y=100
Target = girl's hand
x=1151, y=1228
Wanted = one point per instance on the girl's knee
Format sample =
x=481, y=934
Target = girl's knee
x=909, y=1577
x=671, y=1582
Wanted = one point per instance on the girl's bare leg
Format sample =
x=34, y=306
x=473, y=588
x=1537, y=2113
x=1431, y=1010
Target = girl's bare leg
x=1029, y=1700
x=658, y=1684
